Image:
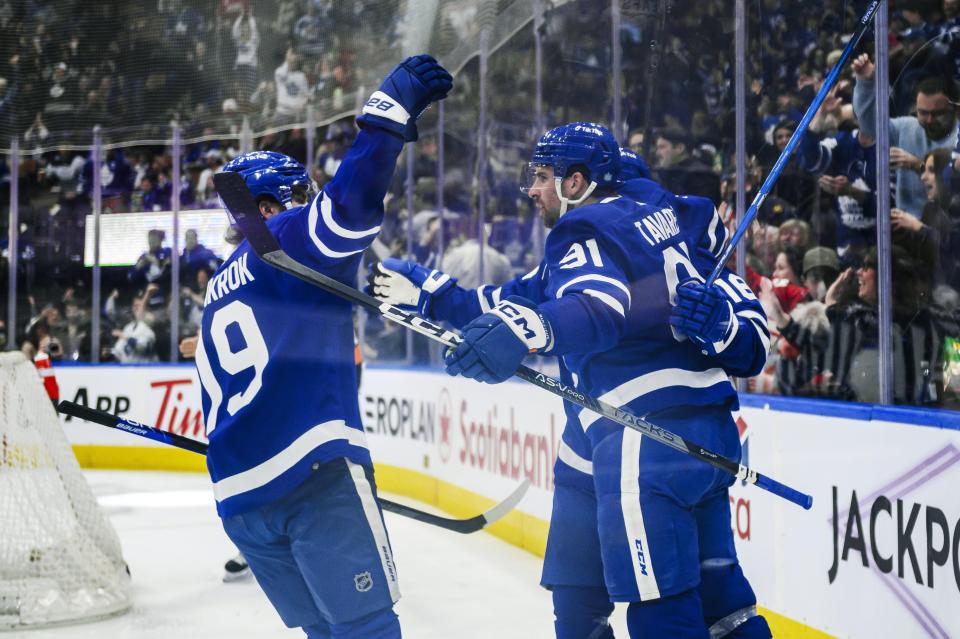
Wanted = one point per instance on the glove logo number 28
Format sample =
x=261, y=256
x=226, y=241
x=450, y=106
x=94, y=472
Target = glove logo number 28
x=380, y=104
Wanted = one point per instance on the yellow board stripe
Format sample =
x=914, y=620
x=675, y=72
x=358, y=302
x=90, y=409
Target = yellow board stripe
x=787, y=628
x=517, y=528
x=139, y=458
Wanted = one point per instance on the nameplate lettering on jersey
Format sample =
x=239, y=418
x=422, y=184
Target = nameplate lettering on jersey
x=658, y=226
x=230, y=279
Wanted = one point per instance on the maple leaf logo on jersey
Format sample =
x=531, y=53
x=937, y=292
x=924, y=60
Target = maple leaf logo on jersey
x=443, y=417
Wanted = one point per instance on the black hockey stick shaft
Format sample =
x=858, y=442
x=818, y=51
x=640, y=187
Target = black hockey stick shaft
x=798, y=133
x=469, y=525
x=242, y=206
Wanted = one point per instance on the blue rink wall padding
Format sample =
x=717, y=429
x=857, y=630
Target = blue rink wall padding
x=855, y=410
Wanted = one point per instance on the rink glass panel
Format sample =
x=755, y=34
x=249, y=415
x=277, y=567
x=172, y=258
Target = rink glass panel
x=133, y=73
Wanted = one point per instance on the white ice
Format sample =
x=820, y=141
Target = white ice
x=453, y=586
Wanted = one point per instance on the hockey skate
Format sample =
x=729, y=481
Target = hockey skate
x=236, y=568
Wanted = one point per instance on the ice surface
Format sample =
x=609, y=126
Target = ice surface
x=453, y=586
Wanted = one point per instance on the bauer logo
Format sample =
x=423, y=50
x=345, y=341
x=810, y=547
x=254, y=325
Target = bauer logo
x=363, y=581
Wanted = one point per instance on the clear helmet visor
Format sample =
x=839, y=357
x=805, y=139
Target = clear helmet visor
x=536, y=176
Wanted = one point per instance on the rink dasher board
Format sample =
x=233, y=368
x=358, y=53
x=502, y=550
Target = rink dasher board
x=436, y=434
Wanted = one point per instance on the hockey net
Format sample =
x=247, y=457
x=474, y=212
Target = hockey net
x=60, y=560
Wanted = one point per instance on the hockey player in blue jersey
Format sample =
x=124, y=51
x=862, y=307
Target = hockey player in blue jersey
x=619, y=297
x=292, y=475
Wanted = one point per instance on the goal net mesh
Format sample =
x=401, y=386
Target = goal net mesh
x=60, y=559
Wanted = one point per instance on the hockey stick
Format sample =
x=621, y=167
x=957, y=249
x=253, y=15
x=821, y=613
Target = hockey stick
x=242, y=206
x=794, y=141
x=465, y=526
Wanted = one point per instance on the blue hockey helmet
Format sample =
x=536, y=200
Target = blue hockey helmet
x=581, y=144
x=632, y=166
x=272, y=174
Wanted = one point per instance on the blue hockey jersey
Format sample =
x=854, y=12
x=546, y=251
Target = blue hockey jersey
x=606, y=285
x=842, y=154
x=275, y=355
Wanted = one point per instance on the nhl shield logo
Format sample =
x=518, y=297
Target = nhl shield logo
x=363, y=581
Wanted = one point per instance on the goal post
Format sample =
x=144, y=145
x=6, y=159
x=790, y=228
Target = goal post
x=60, y=559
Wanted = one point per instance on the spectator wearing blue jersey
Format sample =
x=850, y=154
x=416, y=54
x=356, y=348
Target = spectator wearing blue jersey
x=196, y=256
x=152, y=263
x=292, y=474
x=619, y=299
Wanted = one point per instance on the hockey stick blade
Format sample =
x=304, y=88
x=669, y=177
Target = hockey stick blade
x=464, y=526
x=234, y=192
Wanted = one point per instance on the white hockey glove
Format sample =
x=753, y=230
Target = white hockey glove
x=407, y=284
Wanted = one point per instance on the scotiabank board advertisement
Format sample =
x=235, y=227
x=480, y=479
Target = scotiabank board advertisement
x=878, y=555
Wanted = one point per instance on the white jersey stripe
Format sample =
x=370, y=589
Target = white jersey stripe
x=654, y=381
x=326, y=210
x=312, y=227
x=632, y=512
x=372, y=513
x=265, y=472
x=484, y=304
x=570, y=457
x=607, y=299
x=208, y=382
x=712, y=231
x=595, y=277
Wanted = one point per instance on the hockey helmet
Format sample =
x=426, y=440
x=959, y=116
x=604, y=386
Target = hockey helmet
x=632, y=166
x=272, y=174
x=584, y=144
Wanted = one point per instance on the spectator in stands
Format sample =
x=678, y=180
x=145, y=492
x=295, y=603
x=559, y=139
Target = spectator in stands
x=292, y=89
x=846, y=164
x=635, y=141
x=919, y=330
x=765, y=245
x=911, y=137
x=196, y=256
x=206, y=192
x=334, y=146
x=794, y=185
x=246, y=38
x=679, y=172
x=931, y=238
x=154, y=263
x=136, y=341
x=191, y=305
x=463, y=262
x=61, y=98
x=312, y=29
x=795, y=233
x=116, y=180
x=787, y=268
x=802, y=335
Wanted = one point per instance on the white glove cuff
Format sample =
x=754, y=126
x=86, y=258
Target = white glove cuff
x=382, y=105
x=528, y=325
x=435, y=281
